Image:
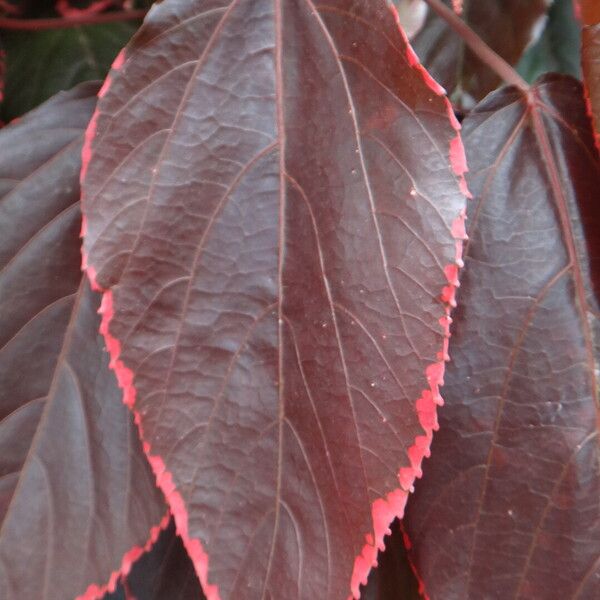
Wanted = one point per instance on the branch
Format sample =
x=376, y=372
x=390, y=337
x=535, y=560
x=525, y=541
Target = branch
x=478, y=46
x=61, y=23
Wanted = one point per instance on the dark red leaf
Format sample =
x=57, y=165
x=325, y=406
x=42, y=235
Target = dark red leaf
x=510, y=503
x=273, y=216
x=508, y=26
x=76, y=494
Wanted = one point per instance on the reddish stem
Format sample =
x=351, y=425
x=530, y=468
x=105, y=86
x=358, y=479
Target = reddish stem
x=8, y=8
x=478, y=46
x=61, y=23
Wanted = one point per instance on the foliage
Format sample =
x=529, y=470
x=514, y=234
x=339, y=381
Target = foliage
x=557, y=49
x=274, y=195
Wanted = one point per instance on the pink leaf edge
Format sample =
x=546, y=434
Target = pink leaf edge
x=383, y=510
x=96, y=592
x=590, y=113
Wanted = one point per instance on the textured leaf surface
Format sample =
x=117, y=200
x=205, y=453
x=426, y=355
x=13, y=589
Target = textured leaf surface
x=76, y=493
x=42, y=63
x=505, y=25
x=272, y=213
x=514, y=479
x=163, y=573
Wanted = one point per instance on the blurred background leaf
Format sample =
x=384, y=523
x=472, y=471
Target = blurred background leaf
x=507, y=26
x=558, y=49
x=41, y=63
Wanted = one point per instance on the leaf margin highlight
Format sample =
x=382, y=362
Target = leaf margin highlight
x=383, y=510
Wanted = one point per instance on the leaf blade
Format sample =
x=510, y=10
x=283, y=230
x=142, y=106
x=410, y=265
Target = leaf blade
x=515, y=478
x=189, y=280
x=59, y=403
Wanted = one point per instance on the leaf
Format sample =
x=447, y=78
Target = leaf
x=508, y=26
x=163, y=573
x=76, y=495
x=272, y=214
x=42, y=63
x=558, y=48
x=393, y=579
x=166, y=572
x=510, y=503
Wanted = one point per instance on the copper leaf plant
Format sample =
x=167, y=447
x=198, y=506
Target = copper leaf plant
x=299, y=299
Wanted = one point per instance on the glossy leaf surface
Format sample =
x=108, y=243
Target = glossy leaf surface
x=508, y=26
x=272, y=207
x=76, y=494
x=509, y=505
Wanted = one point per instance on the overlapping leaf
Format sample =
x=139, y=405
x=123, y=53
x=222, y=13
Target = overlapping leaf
x=393, y=579
x=164, y=573
x=75, y=491
x=508, y=26
x=272, y=214
x=509, y=506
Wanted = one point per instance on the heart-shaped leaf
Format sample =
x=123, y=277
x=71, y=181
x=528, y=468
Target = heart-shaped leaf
x=76, y=495
x=509, y=507
x=273, y=211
